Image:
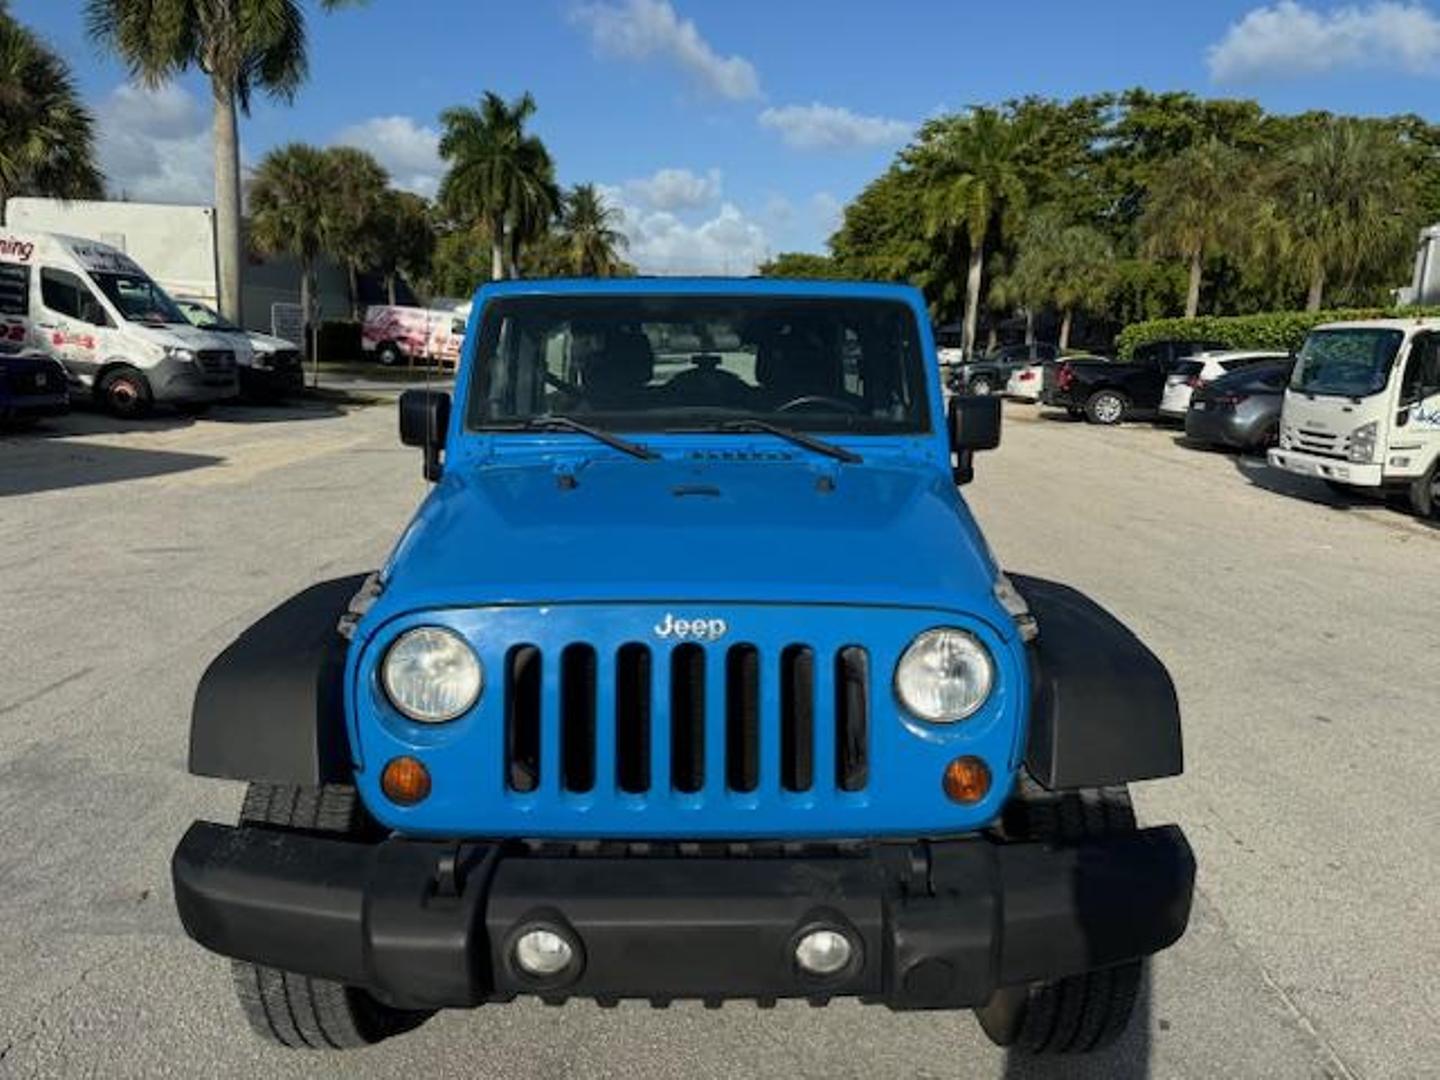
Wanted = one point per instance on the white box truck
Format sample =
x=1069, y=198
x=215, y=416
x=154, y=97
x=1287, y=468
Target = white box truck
x=1363, y=409
x=120, y=337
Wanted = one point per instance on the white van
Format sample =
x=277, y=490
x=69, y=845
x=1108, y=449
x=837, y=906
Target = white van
x=122, y=340
x=1363, y=408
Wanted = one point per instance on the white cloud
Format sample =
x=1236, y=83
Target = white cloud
x=675, y=189
x=661, y=242
x=832, y=127
x=829, y=211
x=1289, y=38
x=409, y=151
x=641, y=29
x=154, y=145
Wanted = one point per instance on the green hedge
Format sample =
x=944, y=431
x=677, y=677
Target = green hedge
x=1283, y=331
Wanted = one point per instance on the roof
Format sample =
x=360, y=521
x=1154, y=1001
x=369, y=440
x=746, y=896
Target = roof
x=1416, y=323
x=701, y=286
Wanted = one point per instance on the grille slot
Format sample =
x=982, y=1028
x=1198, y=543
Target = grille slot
x=687, y=718
x=852, y=721
x=577, y=717
x=522, y=718
x=797, y=718
x=632, y=718
x=742, y=718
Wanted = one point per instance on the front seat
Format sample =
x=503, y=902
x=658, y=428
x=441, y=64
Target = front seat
x=615, y=377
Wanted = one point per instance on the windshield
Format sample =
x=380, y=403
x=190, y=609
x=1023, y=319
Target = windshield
x=138, y=299
x=1346, y=363
x=655, y=363
x=206, y=318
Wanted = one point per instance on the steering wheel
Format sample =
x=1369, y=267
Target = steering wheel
x=809, y=400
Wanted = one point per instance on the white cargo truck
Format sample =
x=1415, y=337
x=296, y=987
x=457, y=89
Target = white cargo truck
x=120, y=337
x=175, y=244
x=1363, y=409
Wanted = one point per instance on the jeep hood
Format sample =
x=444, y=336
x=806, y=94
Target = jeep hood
x=792, y=530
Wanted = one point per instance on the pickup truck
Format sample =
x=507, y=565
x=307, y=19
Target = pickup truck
x=1107, y=393
x=693, y=677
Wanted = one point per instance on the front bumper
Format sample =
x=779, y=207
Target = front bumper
x=1325, y=468
x=433, y=924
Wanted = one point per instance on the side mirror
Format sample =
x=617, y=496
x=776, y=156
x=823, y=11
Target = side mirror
x=424, y=421
x=974, y=425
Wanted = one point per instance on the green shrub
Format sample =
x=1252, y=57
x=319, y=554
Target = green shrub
x=1283, y=331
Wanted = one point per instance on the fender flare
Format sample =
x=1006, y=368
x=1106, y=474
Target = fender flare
x=271, y=706
x=1104, y=709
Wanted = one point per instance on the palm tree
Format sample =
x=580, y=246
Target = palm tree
x=404, y=238
x=588, y=227
x=243, y=46
x=974, y=183
x=498, y=175
x=290, y=203
x=47, y=140
x=1198, y=203
x=1342, y=204
x=1081, y=273
x=353, y=219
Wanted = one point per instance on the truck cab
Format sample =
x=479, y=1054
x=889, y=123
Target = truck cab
x=1362, y=409
x=693, y=677
x=121, y=339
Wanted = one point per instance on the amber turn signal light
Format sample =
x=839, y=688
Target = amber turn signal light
x=405, y=781
x=966, y=780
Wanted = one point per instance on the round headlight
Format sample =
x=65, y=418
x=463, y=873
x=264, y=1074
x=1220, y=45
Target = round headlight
x=944, y=675
x=431, y=675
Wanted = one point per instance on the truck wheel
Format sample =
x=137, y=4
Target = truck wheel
x=1425, y=493
x=981, y=386
x=389, y=354
x=1079, y=1013
x=124, y=392
x=296, y=1011
x=1106, y=407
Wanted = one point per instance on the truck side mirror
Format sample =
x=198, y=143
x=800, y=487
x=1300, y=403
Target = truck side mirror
x=974, y=425
x=424, y=420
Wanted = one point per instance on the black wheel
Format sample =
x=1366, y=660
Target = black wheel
x=389, y=354
x=1425, y=493
x=1106, y=407
x=124, y=392
x=1079, y=1013
x=981, y=386
x=296, y=1011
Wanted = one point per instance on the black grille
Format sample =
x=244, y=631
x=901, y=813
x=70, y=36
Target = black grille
x=215, y=361
x=767, y=732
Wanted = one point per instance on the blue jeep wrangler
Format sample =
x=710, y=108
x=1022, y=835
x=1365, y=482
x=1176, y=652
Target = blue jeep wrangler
x=693, y=678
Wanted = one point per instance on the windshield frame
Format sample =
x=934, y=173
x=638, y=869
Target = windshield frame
x=1380, y=372
x=706, y=420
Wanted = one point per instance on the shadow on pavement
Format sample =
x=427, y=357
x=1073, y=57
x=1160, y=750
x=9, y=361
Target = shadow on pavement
x=1128, y=1059
x=278, y=411
x=1307, y=489
x=50, y=464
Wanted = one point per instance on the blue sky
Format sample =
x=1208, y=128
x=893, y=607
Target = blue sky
x=729, y=131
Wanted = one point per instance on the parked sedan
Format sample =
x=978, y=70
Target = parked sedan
x=1202, y=368
x=1241, y=409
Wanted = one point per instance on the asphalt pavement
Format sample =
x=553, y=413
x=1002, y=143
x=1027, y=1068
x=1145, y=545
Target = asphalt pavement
x=1300, y=628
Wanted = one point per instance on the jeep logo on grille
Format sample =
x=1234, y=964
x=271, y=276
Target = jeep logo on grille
x=696, y=629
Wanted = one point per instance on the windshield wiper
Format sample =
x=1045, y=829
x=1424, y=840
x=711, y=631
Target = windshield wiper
x=565, y=423
x=799, y=438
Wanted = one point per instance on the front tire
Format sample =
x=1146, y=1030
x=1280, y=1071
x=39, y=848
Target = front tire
x=297, y=1011
x=981, y=386
x=1106, y=407
x=125, y=393
x=389, y=354
x=1079, y=1013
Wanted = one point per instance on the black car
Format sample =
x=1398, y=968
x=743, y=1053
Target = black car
x=988, y=374
x=1107, y=393
x=1241, y=409
x=31, y=386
